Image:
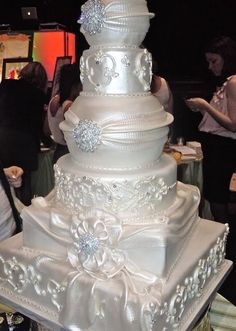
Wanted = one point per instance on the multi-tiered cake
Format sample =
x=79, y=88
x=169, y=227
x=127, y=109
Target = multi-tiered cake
x=118, y=244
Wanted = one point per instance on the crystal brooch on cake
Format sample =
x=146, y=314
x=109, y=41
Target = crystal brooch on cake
x=95, y=236
x=87, y=135
x=92, y=16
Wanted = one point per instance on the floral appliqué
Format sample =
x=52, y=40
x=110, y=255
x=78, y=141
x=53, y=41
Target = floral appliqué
x=94, y=250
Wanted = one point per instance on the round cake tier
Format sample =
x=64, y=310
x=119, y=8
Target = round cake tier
x=116, y=132
x=117, y=70
x=115, y=22
x=133, y=196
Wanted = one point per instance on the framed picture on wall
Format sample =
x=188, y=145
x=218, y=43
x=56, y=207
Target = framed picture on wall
x=15, y=45
x=60, y=61
x=11, y=67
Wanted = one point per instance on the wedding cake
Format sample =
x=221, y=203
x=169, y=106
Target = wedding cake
x=118, y=244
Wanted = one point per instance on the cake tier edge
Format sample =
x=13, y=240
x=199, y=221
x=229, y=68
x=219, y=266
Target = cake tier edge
x=36, y=284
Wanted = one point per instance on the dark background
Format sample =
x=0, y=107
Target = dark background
x=176, y=38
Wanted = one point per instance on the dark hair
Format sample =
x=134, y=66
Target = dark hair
x=226, y=48
x=69, y=82
x=35, y=74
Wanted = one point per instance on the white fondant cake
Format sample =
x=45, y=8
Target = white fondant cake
x=118, y=244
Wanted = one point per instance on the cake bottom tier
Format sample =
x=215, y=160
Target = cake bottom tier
x=55, y=293
x=154, y=245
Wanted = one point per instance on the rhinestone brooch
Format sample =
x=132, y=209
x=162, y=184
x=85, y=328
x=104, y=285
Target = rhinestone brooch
x=92, y=16
x=87, y=135
x=88, y=244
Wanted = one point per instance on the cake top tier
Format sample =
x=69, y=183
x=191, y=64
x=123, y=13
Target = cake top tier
x=109, y=22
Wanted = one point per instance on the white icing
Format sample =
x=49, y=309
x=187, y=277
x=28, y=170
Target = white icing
x=158, y=235
x=137, y=195
x=117, y=22
x=133, y=130
x=115, y=246
x=140, y=302
x=116, y=70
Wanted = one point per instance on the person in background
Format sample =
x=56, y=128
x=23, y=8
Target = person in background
x=69, y=88
x=218, y=127
x=22, y=105
x=10, y=222
x=161, y=89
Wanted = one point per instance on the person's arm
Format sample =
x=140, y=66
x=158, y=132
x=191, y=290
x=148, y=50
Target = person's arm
x=66, y=105
x=54, y=105
x=227, y=121
x=231, y=96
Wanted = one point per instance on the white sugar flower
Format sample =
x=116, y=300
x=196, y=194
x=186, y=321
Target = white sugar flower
x=94, y=249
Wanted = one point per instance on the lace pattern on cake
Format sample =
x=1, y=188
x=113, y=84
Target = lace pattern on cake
x=191, y=288
x=137, y=198
x=20, y=276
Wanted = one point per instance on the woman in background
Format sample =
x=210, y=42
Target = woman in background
x=10, y=222
x=69, y=88
x=22, y=104
x=160, y=88
x=218, y=127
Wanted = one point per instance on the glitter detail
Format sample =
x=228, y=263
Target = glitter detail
x=125, y=61
x=87, y=135
x=89, y=244
x=135, y=198
x=92, y=16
